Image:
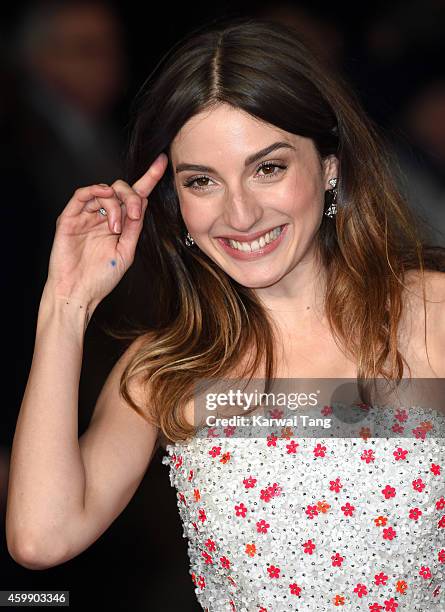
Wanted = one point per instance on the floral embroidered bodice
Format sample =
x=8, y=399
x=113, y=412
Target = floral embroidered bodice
x=282, y=522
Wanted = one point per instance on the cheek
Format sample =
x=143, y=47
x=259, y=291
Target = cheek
x=299, y=198
x=198, y=216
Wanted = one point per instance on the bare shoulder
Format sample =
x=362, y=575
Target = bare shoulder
x=424, y=314
x=434, y=289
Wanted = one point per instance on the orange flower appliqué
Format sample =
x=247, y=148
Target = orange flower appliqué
x=225, y=458
x=251, y=550
x=323, y=506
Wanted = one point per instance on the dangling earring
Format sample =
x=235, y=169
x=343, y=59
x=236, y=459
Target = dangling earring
x=332, y=210
x=189, y=240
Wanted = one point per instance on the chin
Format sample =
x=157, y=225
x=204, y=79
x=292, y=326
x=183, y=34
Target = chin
x=255, y=280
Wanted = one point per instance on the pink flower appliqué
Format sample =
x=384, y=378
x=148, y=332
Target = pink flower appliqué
x=262, y=526
x=389, y=534
x=335, y=485
x=380, y=579
x=249, y=482
x=415, y=513
x=337, y=560
x=210, y=545
x=241, y=510
x=418, y=484
x=309, y=547
x=311, y=511
x=207, y=557
x=272, y=491
x=319, y=450
x=348, y=509
x=435, y=469
x=361, y=590
x=400, y=454
x=389, y=492
x=401, y=415
x=292, y=447
x=295, y=589
x=425, y=572
x=272, y=440
x=368, y=455
x=274, y=572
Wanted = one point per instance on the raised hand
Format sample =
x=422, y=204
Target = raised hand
x=92, y=251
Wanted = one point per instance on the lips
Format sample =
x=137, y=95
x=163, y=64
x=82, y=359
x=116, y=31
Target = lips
x=253, y=255
x=249, y=237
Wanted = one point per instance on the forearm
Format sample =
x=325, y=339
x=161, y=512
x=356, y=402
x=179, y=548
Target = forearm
x=47, y=477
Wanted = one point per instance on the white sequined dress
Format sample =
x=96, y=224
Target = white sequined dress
x=283, y=522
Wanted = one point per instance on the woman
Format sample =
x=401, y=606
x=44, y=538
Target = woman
x=277, y=245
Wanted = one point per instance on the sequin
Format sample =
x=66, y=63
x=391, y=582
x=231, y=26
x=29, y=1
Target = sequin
x=283, y=522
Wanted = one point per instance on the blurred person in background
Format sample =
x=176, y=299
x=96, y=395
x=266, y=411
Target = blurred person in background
x=403, y=82
x=320, y=33
x=69, y=69
x=329, y=45
x=64, y=77
x=400, y=46
x=221, y=299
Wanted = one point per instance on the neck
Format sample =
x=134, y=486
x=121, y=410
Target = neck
x=297, y=299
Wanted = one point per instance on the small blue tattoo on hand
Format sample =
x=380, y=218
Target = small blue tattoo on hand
x=113, y=262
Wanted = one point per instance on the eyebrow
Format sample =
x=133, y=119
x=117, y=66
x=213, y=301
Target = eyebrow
x=249, y=160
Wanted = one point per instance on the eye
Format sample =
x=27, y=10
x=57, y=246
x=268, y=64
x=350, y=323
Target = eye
x=268, y=164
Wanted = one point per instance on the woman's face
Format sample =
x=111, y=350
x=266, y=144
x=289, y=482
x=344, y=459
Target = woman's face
x=230, y=196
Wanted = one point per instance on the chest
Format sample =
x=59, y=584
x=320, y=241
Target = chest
x=312, y=352
x=317, y=354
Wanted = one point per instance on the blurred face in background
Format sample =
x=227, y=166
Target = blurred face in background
x=281, y=192
x=80, y=54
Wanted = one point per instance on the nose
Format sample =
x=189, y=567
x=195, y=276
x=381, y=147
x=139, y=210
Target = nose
x=242, y=211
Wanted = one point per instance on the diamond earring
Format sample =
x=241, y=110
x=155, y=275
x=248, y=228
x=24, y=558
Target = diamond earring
x=332, y=209
x=189, y=240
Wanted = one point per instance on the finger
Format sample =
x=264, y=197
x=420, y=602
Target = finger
x=130, y=233
x=145, y=184
x=131, y=199
x=77, y=202
x=112, y=207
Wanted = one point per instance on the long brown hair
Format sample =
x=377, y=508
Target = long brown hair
x=204, y=320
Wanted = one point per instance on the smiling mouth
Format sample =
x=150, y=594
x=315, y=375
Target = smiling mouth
x=257, y=244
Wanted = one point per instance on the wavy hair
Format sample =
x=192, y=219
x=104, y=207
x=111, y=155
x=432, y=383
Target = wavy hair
x=203, y=319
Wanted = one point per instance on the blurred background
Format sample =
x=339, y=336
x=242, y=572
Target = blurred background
x=68, y=73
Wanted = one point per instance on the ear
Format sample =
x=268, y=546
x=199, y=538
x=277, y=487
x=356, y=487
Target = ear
x=330, y=170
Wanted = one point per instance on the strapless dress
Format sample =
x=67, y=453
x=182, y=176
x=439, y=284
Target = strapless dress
x=287, y=522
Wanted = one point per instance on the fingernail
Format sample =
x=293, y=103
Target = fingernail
x=158, y=161
x=117, y=227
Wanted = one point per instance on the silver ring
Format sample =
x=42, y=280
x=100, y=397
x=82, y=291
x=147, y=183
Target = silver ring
x=102, y=211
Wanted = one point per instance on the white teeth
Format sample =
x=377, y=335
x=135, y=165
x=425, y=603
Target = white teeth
x=258, y=243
